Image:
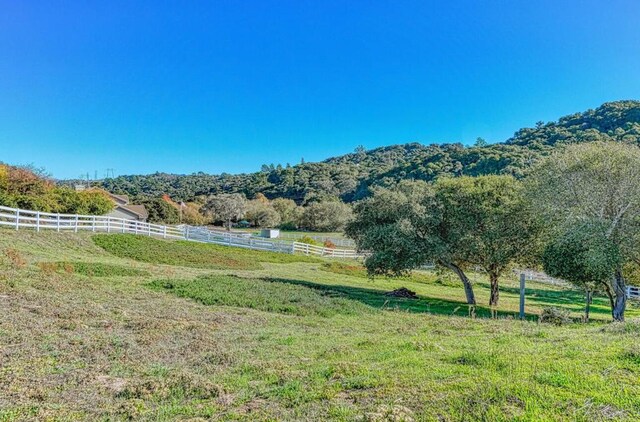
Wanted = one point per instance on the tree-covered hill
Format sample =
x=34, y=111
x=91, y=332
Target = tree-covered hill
x=349, y=176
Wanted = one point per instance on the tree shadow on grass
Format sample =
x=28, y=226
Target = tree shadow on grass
x=377, y=299
x=572, y=300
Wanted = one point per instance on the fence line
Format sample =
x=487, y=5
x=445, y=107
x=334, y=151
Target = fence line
x=541, y=277
x=19, y=218
x=335, y=240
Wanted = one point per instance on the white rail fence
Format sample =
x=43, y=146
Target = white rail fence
x=346, y=243
x=633, y=292
x=19, y=218
x=201, y=234
x=541, y=277
x=318, y=250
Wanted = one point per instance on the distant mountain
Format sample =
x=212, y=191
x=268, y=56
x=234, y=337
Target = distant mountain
x=349, y=176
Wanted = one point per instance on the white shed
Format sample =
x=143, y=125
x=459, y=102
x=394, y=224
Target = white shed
x=270, y=233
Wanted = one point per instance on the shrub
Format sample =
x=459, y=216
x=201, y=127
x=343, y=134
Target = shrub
x=556, y=316
x=30, y=188
x=308, y=240
x=329, y=244
x=289, y=226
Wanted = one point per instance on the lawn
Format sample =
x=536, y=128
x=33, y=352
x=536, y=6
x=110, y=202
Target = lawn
x=117, y=328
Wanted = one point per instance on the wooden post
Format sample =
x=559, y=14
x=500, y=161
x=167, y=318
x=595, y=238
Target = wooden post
x=522, y=286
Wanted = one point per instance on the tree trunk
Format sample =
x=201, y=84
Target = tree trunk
x=468, y=288
x=587, y=307
x=495, y=292
x=607, y=290
x=228, y=225
x=620, y=291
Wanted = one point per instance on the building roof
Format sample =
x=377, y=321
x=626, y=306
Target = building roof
x=122, y=202
x=119, y=198
x=138, y=210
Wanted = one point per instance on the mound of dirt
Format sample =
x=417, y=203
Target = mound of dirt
x=402, y=292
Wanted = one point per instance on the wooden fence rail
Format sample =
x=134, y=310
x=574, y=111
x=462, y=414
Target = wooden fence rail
x=19, y=218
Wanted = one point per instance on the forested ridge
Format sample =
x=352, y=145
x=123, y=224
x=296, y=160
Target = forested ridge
x=350, y=176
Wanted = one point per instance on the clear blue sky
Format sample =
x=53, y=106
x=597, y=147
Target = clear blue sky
x=224, y=86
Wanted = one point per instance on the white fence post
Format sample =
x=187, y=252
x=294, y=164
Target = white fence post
x=58, y=222
x=76, y=225
x=17, y=219
x=38, y=221
x=93, y=222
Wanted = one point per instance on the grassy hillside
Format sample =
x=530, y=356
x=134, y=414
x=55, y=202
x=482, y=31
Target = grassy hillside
x=89, y=332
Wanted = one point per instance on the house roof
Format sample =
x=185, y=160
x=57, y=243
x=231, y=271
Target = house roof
x=138, y=210
x=122, y=202
x=119, y=198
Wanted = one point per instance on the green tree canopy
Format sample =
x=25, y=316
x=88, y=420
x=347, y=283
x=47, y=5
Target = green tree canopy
x=584, y=256
x=595, y=183
x=326, y=216
x=454, y=222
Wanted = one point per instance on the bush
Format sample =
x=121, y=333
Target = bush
x=308, y=240
x=289, y=226
x=29, y=188
x=329, y=244
x=556, y=316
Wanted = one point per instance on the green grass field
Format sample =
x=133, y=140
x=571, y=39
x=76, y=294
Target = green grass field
x=119, y=327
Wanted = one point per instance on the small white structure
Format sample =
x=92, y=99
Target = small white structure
x=633, y=292
x=270, y=233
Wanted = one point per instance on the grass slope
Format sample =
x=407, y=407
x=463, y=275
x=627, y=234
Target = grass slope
x=287, y=341
x=189, y=254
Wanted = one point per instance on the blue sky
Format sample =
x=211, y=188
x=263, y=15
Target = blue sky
x=224, y=86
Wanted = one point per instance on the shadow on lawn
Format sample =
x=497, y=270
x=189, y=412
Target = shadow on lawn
x=572, y=300
x=377, y=299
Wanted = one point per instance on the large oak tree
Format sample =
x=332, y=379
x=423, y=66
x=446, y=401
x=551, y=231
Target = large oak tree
x=597, y=182
x=455, y=222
